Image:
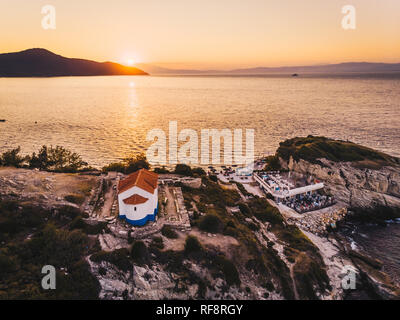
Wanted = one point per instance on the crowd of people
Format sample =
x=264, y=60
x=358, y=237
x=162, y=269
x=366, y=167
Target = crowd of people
x=309, y=202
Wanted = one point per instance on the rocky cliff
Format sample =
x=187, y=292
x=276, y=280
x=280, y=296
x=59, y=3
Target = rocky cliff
x=356, y=175
x=365, y=181
x=357, y=187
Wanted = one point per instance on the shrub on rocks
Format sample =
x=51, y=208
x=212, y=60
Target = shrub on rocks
x=139, y=253
x=12, y=158
x=210, y=223
x=167, y=231
x=79, y=223
x=119, y=258
x=75, y=198
x=192, y=245
x=158, y=243
x=229, y=270
x=183, y=169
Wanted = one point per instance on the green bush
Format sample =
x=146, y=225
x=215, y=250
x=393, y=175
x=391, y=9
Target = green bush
x=68, y=212
x=102, y=271
x=80, y=283
x=243, y=190
x=229, y=231
x=115, y=166
x=118, y=257
x=22, y=258
x=198, y=171
x=244, y=209
x=162, y=170
x=312, y=148
x=56, y=159
x=265, y=212
x=229, y=270
x=79, y=223
x=75, y=198
x=129, y=165
x=55, y=246
x=272, y=163
x=158, y=243
x=202, y=207
x=210, y=223
x=139, y=253
x=7, y=264
x=296, y=239
x=310, y=276
x=12, y=158
x=167, y=231
x=135, y=163
x=192, y=245
x=183, y=169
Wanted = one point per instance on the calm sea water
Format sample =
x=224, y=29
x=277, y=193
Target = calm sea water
x=381, y=242
x=107, y=118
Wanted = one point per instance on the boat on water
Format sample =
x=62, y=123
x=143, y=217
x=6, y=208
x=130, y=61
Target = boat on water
x=295, y=75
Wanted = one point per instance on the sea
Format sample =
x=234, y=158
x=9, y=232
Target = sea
x=105, y=119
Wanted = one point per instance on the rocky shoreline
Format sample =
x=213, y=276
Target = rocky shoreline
x=369, y=196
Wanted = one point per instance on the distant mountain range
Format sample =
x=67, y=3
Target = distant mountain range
x=43, y=63
x=348, y=67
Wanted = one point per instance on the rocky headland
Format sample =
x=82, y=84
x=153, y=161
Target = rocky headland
x=364, y=181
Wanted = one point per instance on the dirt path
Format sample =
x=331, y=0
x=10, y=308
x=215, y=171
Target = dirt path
x=171, y=207
x=108, y=202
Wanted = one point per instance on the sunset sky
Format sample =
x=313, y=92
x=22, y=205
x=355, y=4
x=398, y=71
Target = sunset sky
x=206, y=33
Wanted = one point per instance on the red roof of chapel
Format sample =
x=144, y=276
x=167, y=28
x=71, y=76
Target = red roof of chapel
x=142, y=178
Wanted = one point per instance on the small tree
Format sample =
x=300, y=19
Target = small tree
x=129, y=165
x=273, y=163
x=167, y=231
x=41, y=161
x=210, y=223
x=192, y=245
x=228, y=268
x=183, y=169
x=136, y=163
x=244, y=209
x=161, y=170
x=57, y=159
x=12, y=158
x=64, y=160
x=199, y=171
x=139, y=252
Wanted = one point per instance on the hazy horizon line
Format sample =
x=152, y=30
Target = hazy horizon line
x=197, y=65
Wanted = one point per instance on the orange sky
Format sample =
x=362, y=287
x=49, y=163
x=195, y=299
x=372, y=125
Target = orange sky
x=207, y=33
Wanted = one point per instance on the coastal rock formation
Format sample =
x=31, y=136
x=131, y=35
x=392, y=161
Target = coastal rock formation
x=357, y=187
x=363, y=180
x=360, y=188
x=356, y=175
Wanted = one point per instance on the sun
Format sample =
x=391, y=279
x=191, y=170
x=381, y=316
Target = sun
x=130, y=62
